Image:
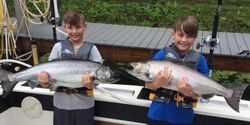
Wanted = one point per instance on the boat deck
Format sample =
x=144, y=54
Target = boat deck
x=136, y=43
x=230, y=44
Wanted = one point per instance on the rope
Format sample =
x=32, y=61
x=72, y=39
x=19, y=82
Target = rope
x=9, y=46
x=6, y=32
x=42, y=8
x=124, y=99
x=7, y=28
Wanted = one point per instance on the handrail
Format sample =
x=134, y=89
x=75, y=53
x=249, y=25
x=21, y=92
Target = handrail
x=15, y=61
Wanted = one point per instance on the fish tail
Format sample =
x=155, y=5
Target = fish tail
x=6, y=84
x=234, y=101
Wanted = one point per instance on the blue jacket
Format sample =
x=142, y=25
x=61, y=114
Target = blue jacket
x=160, y=111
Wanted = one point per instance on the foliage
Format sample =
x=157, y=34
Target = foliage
x=234, y=15
x=44, y=58
x=227, y=78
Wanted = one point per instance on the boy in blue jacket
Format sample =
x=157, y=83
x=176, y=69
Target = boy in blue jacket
x=166, y=110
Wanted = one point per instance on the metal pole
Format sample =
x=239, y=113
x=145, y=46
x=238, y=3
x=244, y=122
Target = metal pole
x=214, y=40
x=19, y=16
x=53, y=21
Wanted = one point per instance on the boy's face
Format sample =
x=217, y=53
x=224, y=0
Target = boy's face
x=182, y=41
x=75, y=33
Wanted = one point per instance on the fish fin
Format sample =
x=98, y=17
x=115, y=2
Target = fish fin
x=234, y=101
x=32, y=83
x=6, y=84
x=113, y=81
x=207, y=96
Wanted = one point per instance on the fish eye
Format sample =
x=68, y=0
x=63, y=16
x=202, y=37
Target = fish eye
x=147, y=74
x=107, y=74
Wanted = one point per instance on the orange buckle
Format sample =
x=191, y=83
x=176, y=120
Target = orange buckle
x=180, y=101
x=90, y=92
x=179, y=98
x=151, y=96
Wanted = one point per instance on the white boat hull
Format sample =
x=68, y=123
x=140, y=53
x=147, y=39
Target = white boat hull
x=116, y=104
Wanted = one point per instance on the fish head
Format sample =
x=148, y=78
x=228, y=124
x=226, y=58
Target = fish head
x=105, y=74
x=140, y=70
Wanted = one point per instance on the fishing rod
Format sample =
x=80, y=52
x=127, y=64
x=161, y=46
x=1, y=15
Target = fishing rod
x=54, y=17
x=212, y=41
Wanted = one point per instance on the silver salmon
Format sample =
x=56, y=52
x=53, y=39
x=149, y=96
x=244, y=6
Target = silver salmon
x=67, y=73
x=201, y=84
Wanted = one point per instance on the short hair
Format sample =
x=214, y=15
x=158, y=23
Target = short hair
x=74, y=17
x=188, y=25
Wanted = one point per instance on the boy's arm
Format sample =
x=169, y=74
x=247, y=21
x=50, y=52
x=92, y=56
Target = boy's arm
x=163, y=77
x=160, y=55
x=87, y=80
x=43, y=79
x=183, y=85
x=95, y=55
x=160, y=77
x=203, y=66
x=55, y=52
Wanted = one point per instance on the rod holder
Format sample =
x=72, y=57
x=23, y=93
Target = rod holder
x=34, y=54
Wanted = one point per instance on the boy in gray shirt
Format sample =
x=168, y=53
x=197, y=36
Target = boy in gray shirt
x=73, y=108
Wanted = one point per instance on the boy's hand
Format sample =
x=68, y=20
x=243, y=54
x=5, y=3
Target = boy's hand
x=87, y=80
x=163, y=77
x=43, y=79
x=185, y=88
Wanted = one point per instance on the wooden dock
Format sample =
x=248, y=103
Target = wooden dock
x=135, y=43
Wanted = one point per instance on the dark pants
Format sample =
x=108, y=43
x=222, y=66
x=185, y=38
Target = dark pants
x=74, y=117
x=154, y=122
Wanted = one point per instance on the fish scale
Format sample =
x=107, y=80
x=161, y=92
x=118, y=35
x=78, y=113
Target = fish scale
x=200, y=84
x=67, y=73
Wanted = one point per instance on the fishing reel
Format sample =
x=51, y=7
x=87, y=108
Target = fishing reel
x=208, y=41
x=244, y=52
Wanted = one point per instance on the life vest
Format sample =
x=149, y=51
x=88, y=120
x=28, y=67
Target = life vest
x=82, y=53
x=191, y=60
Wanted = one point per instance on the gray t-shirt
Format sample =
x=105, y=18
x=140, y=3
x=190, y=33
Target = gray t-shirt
x=73, y=101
